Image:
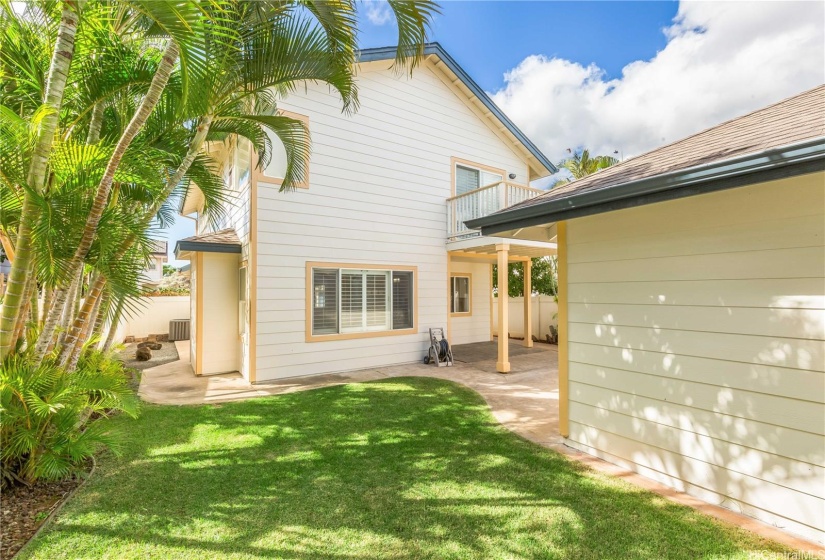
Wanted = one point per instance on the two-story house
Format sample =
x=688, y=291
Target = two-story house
x=351, y=269
x=153, y=273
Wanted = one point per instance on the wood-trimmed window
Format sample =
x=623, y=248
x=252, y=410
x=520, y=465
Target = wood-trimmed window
x=243, y=163
x=347, y=301
x=468, y=175
x=277, y=163
x=461, y=294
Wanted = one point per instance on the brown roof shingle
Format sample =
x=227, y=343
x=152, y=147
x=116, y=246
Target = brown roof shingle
x=224, y=237
x=787, y=122
x=223, y=241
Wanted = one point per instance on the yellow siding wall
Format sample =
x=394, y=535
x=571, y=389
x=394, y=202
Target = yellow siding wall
x=697, y=346
x=476, y=326
x=220, y=350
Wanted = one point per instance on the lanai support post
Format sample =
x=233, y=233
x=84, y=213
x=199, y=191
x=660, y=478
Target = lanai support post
x=528, y=304
x=503, y=362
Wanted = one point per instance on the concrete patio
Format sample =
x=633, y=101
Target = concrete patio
x=524, y=400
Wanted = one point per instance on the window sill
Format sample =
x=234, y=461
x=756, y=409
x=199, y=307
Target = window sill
x=352, y=336
x=457, y=314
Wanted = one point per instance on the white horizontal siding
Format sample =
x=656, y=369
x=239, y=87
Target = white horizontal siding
x=697, y=346
x=379, y=180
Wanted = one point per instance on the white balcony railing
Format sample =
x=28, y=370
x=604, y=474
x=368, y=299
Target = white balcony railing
x=483, y=202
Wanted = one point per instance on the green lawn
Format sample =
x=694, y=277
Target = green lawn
x=407, y=468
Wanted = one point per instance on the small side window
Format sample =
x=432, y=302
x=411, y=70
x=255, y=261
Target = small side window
x=460, y=294
x=242, y=297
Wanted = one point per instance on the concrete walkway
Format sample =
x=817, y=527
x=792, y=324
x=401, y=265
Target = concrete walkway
x=525, y=400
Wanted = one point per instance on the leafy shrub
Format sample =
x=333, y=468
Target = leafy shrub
x=52, y=421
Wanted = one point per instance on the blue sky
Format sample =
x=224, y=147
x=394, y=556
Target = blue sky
x=490, y=37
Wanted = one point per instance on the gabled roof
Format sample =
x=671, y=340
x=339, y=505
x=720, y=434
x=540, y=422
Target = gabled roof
x=781, y=140
x=223, y=241
x=540, y=165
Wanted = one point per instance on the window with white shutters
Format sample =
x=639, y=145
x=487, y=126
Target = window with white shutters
x=352, y=301
x=348, y=300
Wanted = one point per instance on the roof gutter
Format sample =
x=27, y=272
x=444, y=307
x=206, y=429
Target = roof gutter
x=205, y=247
x=388, y=53
x=777, y=163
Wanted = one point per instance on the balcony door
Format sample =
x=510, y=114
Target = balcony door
x=469, y=179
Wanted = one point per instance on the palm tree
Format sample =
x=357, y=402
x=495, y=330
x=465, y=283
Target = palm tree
x=152, y=82
x=580, y=164
x=21, y=280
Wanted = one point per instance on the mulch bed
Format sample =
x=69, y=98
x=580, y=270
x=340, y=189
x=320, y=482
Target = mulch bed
x=24, y=509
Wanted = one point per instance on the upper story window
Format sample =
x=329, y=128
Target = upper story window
x=243, y=161
x=469, y=176
x=229, y=177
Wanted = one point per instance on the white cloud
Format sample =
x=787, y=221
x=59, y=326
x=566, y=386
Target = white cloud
x=722, y=60
x=378, y=12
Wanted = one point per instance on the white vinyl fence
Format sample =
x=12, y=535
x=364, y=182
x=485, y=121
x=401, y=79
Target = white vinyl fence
x=544, y=315
x=153, y=316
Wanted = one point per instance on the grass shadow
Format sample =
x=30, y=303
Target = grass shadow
x=403, y=468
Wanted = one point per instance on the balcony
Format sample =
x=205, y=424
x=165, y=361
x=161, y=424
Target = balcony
x=483, y=202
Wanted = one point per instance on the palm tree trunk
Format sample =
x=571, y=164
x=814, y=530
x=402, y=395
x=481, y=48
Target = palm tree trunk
x=95, y=124
x=76, y=303
x=18, y=329
x=48, y=300
x=84, y=316
x=95, y=292
x=62, y=315
x=35, y=296
x=159, y=81
x=20, y=326
x=194, y=149
x=100, y=320
x=77, y=348
x=110, y=337
x=55, y=85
